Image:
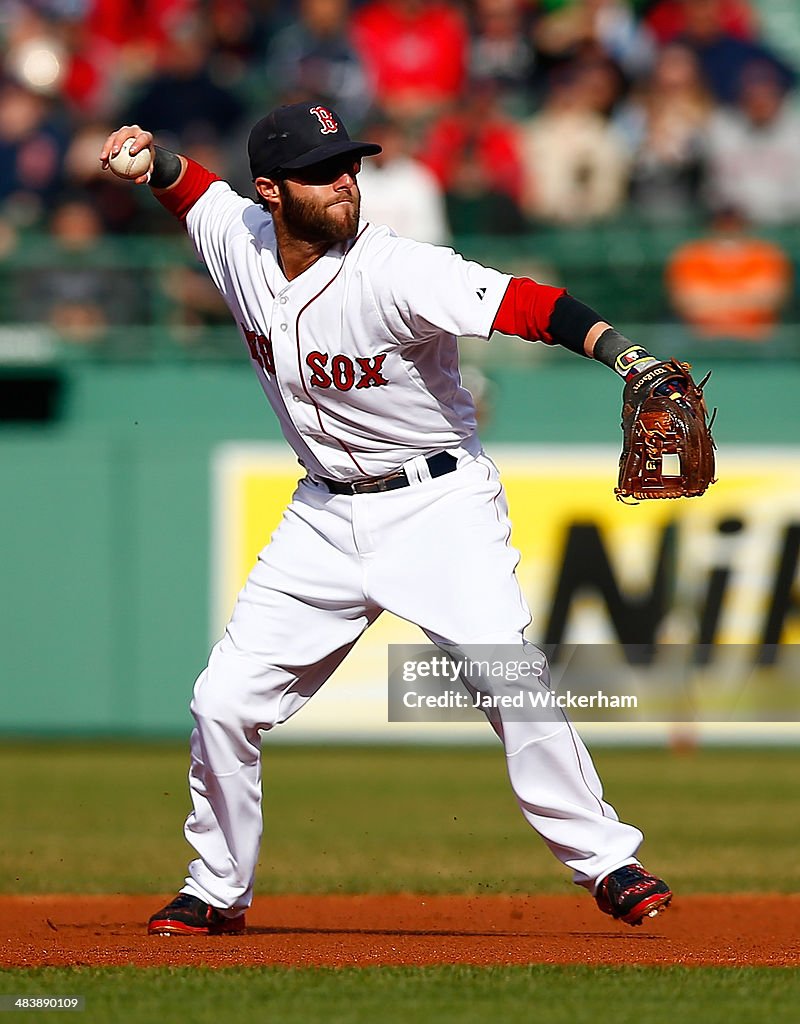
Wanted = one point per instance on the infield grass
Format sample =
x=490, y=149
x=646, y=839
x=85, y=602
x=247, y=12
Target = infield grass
x=445, y=995
x=107, y=817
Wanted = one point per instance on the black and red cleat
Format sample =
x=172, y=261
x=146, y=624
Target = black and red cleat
x=187, y=915
x=631, y=894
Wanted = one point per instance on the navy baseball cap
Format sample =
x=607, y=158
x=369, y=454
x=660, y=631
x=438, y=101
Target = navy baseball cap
x=300, y=135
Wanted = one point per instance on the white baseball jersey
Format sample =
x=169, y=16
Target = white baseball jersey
x=358, y=355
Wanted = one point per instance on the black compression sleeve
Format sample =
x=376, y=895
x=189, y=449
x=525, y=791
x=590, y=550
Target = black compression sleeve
x=166, y=168
x=570, y=322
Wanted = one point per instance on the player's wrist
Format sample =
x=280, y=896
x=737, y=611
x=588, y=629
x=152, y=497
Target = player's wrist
x=167, y=168
x=625, y=357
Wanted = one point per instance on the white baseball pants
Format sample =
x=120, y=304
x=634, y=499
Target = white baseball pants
x=435, y=553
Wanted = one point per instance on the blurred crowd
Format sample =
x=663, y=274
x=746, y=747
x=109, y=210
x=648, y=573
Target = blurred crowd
x=496, y=116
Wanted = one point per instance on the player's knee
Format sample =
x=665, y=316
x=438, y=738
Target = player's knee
x=213, y=702
x=232, y=701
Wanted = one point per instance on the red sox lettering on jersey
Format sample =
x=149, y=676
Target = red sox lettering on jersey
x=260, y=349
x=364, y=372
x=343, y=371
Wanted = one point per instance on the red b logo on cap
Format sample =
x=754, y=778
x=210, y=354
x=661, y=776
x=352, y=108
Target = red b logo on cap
x=325, y=118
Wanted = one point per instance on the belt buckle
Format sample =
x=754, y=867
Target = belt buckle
x=382, y=483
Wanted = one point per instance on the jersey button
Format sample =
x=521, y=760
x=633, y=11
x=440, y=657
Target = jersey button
x=284, y=300
x=295, y=398
x=284, y=327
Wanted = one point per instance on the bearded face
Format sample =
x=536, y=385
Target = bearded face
x=322, y=204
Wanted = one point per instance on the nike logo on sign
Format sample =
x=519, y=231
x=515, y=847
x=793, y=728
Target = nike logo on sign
x=480, y=292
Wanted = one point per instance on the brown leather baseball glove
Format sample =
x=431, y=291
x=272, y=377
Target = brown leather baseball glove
x=667, y=448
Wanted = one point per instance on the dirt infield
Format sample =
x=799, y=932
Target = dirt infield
x=339, y=931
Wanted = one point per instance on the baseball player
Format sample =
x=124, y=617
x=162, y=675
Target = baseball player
x=352, y=333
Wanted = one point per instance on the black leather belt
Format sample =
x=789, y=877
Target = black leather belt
x=438, y=465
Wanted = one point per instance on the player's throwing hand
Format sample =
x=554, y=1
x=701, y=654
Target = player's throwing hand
x=113, y=148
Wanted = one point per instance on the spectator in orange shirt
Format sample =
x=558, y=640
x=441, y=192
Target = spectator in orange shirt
x=415, y=53
x=729, y=284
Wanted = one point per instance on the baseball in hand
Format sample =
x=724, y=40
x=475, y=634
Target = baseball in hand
x=126, y=166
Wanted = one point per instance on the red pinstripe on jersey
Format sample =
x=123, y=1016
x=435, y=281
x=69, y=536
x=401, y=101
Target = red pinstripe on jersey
x=343, y=444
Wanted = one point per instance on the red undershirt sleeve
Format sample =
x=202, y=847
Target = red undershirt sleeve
x=181, y=197
x=526, y=309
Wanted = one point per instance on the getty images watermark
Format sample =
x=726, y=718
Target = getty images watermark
x=516, y=688
x=592, y=682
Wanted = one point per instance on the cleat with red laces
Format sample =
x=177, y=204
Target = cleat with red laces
x=631, y=894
